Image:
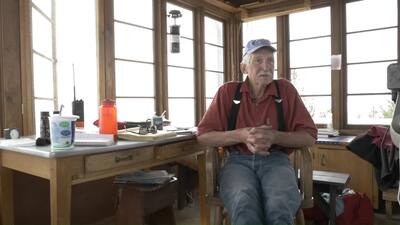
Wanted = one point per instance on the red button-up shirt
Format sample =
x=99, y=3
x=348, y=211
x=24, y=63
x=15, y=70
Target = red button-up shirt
x=254, y=114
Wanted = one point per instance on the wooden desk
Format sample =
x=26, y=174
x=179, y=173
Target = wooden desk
x=82, y=164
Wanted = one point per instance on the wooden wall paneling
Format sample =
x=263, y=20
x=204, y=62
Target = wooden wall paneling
x=105, y=49
x=27, y=68
x=160, y=56
x=337, y=47
x=283, y=52
x=10, y=64
x=199, y=58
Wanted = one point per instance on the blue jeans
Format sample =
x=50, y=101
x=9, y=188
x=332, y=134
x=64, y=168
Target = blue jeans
x=259, y=189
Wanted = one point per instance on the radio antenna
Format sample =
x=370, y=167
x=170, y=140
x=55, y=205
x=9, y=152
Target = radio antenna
x=73, y=76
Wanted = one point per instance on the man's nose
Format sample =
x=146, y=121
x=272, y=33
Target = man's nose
x=266, y=65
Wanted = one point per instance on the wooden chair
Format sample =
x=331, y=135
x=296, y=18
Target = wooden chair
x=215, y=159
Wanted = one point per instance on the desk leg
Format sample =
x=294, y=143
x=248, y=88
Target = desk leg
x=6, y=196
x=332, y=205
x=204, y=211
x=60, y=192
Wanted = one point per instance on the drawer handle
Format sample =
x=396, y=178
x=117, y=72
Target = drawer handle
x=323, y=160
x=125, y=158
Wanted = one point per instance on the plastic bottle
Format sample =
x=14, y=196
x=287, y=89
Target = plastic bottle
x=108, y=118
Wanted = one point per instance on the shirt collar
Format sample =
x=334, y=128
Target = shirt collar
x=269, y=89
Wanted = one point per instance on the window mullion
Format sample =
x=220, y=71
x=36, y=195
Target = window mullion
x=54, y=52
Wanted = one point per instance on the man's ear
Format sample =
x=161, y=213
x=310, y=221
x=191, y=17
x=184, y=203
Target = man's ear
x=243, y=68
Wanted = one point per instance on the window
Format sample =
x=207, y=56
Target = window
x=214, y=57
x=134, y=61
x=371, y=37
x=310, y=51
x=60, y=42
x=263, y=28
x=181, y=103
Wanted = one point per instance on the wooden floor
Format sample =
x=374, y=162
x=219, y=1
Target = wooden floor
x=190, y=216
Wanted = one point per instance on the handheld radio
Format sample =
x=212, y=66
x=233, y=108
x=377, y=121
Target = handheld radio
x=78, y=105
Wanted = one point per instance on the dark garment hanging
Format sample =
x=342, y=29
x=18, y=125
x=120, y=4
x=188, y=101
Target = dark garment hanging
x=376, y=147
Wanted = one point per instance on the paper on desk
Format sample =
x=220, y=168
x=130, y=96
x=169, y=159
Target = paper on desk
x=20, y=142
x=131, y=135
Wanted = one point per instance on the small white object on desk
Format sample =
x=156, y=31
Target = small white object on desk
x=93, y=139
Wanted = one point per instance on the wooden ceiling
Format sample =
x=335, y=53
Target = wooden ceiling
x=254, y=9
x=247, y=3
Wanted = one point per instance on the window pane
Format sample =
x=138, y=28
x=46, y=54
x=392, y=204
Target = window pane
x=370, y=14
x=133, y=43
x=134, y=11
x=186, y=21
x=181, y=112
x=382, y=45
x=310, y=23
x=43, y=77
x=214, y=58
x=312, y=52
x=263, y=28
x=44, y=6
x=213, y=82
x=41, y=34
x=180, y=82
x=305, y=80
x=76, y=44
x=319, y=108
x=135, y=109
x=367, y=78
x=213, y=31
x=185, y=57
x=42, y=105
x=134, y=79
x=369, y=109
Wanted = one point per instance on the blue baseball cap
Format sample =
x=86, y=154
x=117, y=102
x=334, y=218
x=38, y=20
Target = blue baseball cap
x=254, y=45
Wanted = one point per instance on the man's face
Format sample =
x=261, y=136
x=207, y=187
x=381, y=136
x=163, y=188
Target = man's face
x=260, y=69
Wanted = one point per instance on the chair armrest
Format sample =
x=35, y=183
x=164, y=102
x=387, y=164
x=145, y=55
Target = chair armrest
x=303, y=164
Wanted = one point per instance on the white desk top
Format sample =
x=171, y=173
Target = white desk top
x=47, y=152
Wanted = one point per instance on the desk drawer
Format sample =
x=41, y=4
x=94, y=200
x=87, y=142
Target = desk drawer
x=111, y=160
x=176, y=149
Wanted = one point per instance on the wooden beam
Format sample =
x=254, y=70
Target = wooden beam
x=283, y=53
x=105, y=49
x=337, y=76
x=160, y=56
x=199, y=61
x=26, y=68
x=10, y=65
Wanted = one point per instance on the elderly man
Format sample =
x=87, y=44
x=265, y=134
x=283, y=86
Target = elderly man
x=267, y=118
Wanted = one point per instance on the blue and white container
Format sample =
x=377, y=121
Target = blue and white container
x=62, y=131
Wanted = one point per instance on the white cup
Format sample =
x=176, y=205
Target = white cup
x=62, y=131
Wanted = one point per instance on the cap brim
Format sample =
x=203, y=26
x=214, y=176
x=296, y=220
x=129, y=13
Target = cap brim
x=255, y=49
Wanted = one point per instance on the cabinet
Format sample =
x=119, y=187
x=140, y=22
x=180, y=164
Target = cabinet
x=336, y=158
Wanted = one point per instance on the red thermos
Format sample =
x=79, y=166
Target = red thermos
x=108, y=118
